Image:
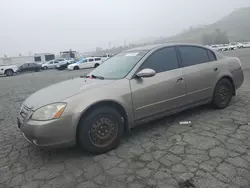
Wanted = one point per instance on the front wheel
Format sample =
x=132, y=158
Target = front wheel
x=101, y=130
x=45, y=68
x=76, y=68
x=222, y=94
x=9, y=72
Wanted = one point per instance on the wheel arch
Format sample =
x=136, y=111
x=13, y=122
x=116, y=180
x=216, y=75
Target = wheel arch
x=108, y=103
x=76, y=66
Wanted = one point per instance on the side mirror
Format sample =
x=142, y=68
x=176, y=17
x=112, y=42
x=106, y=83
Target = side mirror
x=145, y=73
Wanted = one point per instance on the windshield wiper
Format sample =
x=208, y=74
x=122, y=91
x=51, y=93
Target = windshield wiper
x=94, y=76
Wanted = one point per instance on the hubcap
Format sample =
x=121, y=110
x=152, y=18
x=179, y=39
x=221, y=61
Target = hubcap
x=103, y=132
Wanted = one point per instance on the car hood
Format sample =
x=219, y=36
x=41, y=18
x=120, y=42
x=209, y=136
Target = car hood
x=72, y=64
x=62, y=90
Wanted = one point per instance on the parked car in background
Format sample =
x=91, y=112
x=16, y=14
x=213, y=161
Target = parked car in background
x=62, y=63
x=49, y=65
x=225, y=47
x=70, y=60
x=131, y=88
x=8, y=70
x=246, y=44
x=232, y=46
x=217, y=47
x=236, y=44
x=30, y=67
x=106, y=56
x=89, y=62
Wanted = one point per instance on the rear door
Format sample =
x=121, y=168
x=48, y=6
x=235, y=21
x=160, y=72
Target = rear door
x=163, y=92
x=90, y=63
x=200, y=69
x=32, y=66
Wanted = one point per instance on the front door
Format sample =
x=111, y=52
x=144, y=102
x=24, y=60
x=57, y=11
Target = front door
x=163, y=92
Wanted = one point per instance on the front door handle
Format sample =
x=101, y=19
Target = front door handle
x=215, y=69
x=179, y=79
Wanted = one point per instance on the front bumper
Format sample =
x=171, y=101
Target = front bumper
x=70, y=68
x=52, y=133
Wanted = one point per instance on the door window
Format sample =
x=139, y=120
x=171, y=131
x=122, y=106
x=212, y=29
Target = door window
x=90, y=60
x=162, y=60
x=192, y=55
x=97, y=59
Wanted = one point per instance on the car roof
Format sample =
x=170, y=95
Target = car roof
x=151, y=47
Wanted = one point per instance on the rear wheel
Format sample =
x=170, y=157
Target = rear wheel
x=96, y=65
x=9, y=72
x=101, y=130
x=76, y=68
x=36, y=69
x=222, y=94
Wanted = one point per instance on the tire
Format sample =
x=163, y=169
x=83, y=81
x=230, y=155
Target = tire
x=222, y=94
x=96, y=65
x=95, y=125
x=45, y=68
x=9, y=72
x=76, y=68
x=36, y=69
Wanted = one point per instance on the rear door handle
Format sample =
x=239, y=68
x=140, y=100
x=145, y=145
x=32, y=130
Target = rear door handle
x=179, y=79
x=215, y=69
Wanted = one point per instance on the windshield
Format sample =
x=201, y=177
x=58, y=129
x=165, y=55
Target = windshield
x=81, y=61
x=118, y=66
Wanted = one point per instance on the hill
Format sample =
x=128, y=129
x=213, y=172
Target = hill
x=236, y=25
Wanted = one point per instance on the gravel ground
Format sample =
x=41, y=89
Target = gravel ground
x=212, y=152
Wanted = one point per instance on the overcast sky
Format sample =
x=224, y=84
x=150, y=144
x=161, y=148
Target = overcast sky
x=39, y=26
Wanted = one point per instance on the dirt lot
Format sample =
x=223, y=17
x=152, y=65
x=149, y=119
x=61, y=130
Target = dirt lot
x=214, y=151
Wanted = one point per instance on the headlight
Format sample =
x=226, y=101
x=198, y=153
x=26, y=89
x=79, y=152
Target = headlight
x=51, y=111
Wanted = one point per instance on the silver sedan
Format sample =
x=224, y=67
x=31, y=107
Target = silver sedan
x=133, y=87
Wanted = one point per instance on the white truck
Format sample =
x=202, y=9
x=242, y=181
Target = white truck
x=8, y=70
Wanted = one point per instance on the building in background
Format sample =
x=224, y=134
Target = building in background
x=19, y=60
x=69, y=54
